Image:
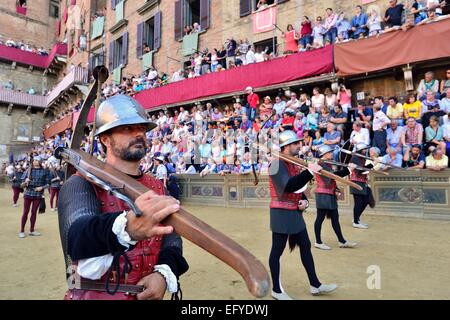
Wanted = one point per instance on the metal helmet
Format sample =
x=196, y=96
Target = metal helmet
x=361, y=147
x=287, y=137
x=324, y=149
x=120, y=110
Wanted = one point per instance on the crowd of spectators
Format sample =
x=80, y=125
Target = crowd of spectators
x=218, y=139
x=24, y=46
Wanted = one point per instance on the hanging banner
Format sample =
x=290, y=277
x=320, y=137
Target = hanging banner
x=264, y=20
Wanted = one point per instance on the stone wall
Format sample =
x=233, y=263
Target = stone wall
x=406, y=193
x=24, y=79
x=35, y=28
x=19, y=131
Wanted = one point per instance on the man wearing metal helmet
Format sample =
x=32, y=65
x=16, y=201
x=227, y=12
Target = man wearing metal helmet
x=287, y=183
x=326, y=200
x=115, y=254
x=34, y=180
x=361, y=197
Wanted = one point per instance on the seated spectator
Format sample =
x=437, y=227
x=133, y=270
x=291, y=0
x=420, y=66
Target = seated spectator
x=266, y=107
x=374, y=23
x=437, y=160
x=288, y=121
x=333, y=139
x=324, y=118
x=339, y=118
x=444, y=103
x=317, y=99
x=293, y=103
x=429, y=83
x=209, y=168
x=177, y=76
x=312, y=119
x=364, y=115
x=330, y=99
x=343, y=27
x=412, y=108
x=317, y=142
x=359, y=134
x=434, y=134
x=393, y=137
x=446, y=126
x=393, y=15
x=246, y=165
x=395, y=111
x=246, y=124
x=392, y=158
x=374, y=154
x=432, y=16
x=298, y=124
x=430, y=107
x=359, y=22
x=304, y=103
x=445, y=85
x=307, y=143
x=414, y=157
x=279, y=105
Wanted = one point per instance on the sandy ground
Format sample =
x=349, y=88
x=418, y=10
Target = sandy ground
x=413, y=257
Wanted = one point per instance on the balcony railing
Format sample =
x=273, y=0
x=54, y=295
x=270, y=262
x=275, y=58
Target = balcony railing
x=78, y=75
x=21, y=98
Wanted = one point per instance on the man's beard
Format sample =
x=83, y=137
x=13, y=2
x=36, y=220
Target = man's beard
x=130, y=155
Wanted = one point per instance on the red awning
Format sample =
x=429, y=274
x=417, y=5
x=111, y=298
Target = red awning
x=421, y=43
x=59, y=126
x=280, y=70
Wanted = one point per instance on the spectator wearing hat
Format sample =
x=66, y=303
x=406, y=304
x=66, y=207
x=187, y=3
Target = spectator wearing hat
x=160, y=169
x=252, y=103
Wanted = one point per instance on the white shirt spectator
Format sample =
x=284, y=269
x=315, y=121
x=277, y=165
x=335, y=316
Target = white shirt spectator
x=259, y=57
x=379, y=119
x=363, y=136
x=318, y=101
x=161, y=172
x=431, y=3
x=250, y=57
x=152, y=74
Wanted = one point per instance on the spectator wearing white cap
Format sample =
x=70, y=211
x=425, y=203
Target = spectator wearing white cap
x=252, y=103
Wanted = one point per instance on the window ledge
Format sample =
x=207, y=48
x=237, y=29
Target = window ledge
x=199, y=33
x=118, y=25
x=147, y=6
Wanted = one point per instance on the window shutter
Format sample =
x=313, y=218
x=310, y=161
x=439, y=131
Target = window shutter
x=91, y=64
x=205, y=12
x=124, y=59
x=157, y=34
x=245, y=7
x=281, y=1
x=113, y=4
x=111, y=56
x=140, y=38
x=179, y=19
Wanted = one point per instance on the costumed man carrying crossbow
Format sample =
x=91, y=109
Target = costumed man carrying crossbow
x=326, y=199
x=114, y=254
x=287, y=183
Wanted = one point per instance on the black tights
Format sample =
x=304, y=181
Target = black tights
x=361, y=202
x=278, y=244
x=334, y=215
